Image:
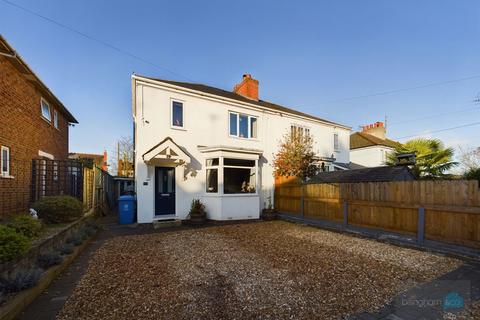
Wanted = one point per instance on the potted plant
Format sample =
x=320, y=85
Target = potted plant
x=197, y=214
x=269, y=213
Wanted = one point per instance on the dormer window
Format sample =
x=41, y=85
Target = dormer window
x=45, y=108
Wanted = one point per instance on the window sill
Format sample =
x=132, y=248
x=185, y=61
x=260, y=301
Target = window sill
x=46, y=120
x=246, y=139
x=230, y=195
x=178, y=128
x=6, y=177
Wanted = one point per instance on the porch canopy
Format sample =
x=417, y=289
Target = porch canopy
x=167, y=153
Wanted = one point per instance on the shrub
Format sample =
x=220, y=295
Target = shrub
x=472, y=174
x=67, y=248
x=20, y=279
x=197, y=207
x=58, y=209
x=76, y=239
x=49, y=259
x=12, y=244
x=26, y=225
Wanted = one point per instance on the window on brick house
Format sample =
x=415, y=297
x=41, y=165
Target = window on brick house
x=5, y=161
x=45, y=110
x=55, y=119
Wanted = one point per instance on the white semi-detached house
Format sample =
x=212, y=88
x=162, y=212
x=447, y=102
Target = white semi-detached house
x=196, y=141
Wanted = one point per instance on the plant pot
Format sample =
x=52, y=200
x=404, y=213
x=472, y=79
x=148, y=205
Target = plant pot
x=198, y=218
x=269, y=214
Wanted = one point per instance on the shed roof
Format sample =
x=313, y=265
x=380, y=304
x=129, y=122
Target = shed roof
x=376, y=174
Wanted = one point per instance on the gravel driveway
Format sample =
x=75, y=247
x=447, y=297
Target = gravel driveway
x=269, y=270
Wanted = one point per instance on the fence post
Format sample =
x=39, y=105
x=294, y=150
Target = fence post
x=302, y=200
x=345, y=214
x=421, y=225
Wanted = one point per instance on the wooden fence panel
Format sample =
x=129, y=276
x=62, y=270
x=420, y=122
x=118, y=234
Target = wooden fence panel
x=455, y=227
x=452, y=208
x=401, y=220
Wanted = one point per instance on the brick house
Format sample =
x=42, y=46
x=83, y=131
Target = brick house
x=34, y=124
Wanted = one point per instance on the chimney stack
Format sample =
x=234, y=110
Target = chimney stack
x=376, y=129
x=247, y=88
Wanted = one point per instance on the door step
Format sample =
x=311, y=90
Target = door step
x=160, y=224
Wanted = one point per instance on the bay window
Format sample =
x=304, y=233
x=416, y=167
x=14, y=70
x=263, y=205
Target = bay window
x=239, y=176
x=243, y=126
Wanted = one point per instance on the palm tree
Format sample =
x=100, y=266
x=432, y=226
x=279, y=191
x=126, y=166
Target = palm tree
x=433, y=160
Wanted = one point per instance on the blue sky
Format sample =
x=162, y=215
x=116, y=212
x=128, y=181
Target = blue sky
x=308, y=55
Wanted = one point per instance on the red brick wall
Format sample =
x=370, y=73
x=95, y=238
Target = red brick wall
x=25, y=132
x=248, y=87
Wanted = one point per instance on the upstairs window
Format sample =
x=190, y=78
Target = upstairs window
x=243, y=126
x=336, y=146
x=177, y=114
x=45, y=110
x=5, y=161
x=55, y=119
x=299, y=131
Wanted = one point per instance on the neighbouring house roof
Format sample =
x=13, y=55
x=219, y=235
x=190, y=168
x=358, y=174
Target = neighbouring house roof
x=235, y=96
x=23, y=68
x=348, y=166
x=354, y=166
x=377, y=174
x=362, y=140
x=77, y=155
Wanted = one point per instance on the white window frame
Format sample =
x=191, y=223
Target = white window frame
x=55, y=119
x=172, y=125
x=304, y=129
x=223, y=166
x=213, y=167
x=7, y=172
x=42, y=103
x=336, y=142
x=238, y=114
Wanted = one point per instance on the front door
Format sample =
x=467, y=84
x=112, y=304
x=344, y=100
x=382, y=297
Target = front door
x=164, y=191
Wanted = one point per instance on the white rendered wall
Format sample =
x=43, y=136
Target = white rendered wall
x=206, y=123
x=374, y=156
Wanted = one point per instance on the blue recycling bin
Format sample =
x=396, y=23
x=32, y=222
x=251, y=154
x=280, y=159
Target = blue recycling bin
x=126, y=209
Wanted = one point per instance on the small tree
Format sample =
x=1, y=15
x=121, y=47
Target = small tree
x=295, y=157
x=433, y=160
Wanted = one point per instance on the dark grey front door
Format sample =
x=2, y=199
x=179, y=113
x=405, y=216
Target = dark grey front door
x=164, y=191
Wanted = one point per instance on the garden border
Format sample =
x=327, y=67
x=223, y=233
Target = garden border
x=12, y=308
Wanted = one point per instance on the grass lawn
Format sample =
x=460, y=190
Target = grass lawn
x=270, y=270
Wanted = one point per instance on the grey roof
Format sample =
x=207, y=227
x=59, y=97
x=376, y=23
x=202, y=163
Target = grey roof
x=377, y=174
x=235, y=96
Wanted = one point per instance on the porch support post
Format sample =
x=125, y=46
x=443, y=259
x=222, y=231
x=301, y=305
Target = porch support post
x=421, y=225
x=345, y=214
